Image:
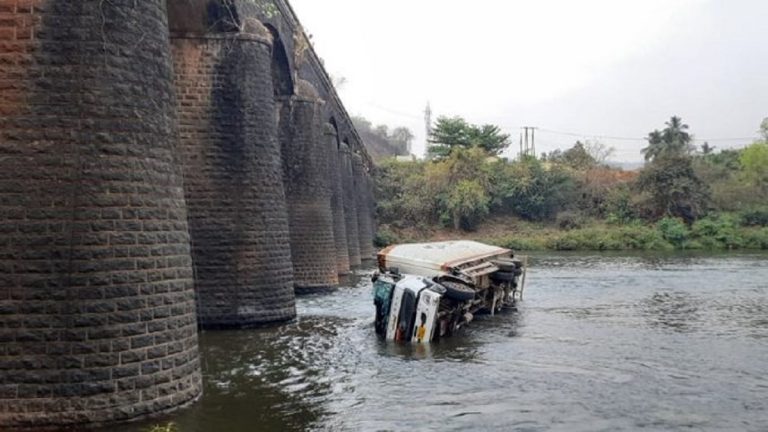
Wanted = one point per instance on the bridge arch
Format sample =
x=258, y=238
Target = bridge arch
x=335, y=126
x=199, y=17
x=282, y=77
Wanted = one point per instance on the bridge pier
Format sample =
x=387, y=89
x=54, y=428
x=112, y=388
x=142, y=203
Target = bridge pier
x=97, y=308
x=309, y=192
x=337, y=199
x=350, y=206
x=233, y=178
x=143, y=182
x=364, y=215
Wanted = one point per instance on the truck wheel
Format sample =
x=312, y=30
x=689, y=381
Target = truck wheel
x=503, y=276
x=458, y=291
x=508, y=265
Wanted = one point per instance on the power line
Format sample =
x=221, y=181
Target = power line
x=578, y=135
x=740, y=140
x=622, y=138
x=394, y=112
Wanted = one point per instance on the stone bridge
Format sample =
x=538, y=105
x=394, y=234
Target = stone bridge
x=165, y=166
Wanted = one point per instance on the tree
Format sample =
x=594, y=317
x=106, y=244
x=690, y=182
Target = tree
x=382, y=131
x=362, y=123
x=764, y=129
x=453, y=179
x=674, y=188
x=582, y=156
x=450, y=133
x=403, y=137
x=754, y=164
x=598, y=151
x=578, y=157
x=669, y=179
x=529, y=190
x=489, y=138
x=673, y=140
x=467, y=202
x=402, y=198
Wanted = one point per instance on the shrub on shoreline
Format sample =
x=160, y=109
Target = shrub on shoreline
x=720, y=233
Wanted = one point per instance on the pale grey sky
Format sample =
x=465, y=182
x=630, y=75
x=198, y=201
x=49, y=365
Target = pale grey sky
x=614, y=68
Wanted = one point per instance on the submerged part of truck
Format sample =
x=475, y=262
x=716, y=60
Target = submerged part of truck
x=426, y=291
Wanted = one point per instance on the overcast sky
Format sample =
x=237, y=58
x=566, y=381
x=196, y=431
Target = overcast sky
x=607, y=68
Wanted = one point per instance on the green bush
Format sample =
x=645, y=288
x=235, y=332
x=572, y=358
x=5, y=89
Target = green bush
x=636, y=237
x=519, y=243
x=467, y=204
x=587, y=239
x=618, y=206
x=756, y=239
x=641, y=237
x=755, y=217
x=718, y=232
x=530, y=190
x=569, y=220
x=674, y=231
x=385, y=237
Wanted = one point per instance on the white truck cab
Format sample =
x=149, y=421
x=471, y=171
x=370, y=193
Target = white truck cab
x=426, y=291
x=413, y=311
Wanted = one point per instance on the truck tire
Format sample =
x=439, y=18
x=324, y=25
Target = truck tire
x=508, y=265
x=503, y=276
x=458, y=291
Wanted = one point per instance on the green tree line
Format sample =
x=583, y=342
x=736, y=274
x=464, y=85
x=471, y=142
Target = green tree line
x=688, y=195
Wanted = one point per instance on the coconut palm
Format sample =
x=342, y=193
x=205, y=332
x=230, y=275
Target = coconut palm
x=673, y=140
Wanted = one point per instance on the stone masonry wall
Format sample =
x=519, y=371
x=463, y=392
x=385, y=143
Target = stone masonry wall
x=364, y=215
x=97, y=312
x=337, y=200
x=233, y=173
x=350, y=205
x=308, y=189
x=120, y=194
x=371, y=204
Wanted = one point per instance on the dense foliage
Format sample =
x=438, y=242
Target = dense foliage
x=683, y=197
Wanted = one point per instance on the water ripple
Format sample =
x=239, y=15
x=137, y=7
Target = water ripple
x=602, y=343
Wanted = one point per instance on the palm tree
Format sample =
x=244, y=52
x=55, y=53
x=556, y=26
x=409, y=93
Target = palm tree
x=673, y=140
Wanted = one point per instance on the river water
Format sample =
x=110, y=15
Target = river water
x=600, y=343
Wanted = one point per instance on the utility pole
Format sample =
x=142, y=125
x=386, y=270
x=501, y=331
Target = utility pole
x=428, y=127
x=530, y=145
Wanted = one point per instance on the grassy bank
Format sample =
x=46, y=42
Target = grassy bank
x=722, y=233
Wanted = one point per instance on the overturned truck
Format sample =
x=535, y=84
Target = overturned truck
x=426, y=291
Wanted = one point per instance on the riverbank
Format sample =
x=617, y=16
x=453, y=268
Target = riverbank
x=722, y=233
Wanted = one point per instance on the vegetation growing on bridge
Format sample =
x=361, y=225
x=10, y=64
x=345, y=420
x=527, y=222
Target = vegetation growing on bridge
x=683, y=198
x=380, y=141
